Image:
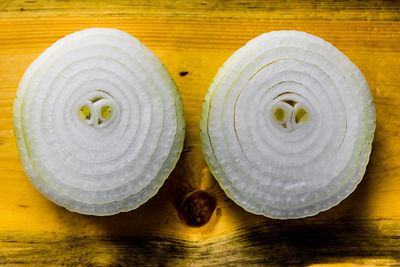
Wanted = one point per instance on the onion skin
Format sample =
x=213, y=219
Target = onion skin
x=287, y=125
x=98, y=122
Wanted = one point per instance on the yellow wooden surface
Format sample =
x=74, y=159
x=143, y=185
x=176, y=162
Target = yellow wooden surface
x=197, y=37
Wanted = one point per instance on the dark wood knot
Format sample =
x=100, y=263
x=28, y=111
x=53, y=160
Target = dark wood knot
x=197, y=208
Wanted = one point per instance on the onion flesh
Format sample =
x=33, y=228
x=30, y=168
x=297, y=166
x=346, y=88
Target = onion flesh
x=287, y=125
x=99, y=122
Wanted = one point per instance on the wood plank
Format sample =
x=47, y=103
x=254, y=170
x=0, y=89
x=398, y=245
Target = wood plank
x=280, y=243
x=195, y=38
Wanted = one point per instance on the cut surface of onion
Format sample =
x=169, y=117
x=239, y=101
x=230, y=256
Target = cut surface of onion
x=98, y=122
x=287, y=125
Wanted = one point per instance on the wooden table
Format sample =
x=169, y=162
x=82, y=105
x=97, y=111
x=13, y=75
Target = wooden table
x=193, y=39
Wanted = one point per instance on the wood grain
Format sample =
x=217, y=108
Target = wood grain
x=193, y=39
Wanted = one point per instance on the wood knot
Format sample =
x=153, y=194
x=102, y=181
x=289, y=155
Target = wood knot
x=197, y=208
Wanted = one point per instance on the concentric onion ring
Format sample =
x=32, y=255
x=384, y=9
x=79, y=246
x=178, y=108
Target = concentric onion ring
x=99, y=122
x=287, y=125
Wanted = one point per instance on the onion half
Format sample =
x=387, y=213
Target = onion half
x=99, y=122
x=287, y=125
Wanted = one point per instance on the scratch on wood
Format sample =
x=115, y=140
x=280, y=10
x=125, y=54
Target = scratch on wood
x=187, y=149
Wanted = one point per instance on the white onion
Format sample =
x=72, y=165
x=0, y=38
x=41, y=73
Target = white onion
x=99, y=122
x=287, y=125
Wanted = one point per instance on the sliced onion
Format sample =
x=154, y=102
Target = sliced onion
x=287, y=125
x=99, y=122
